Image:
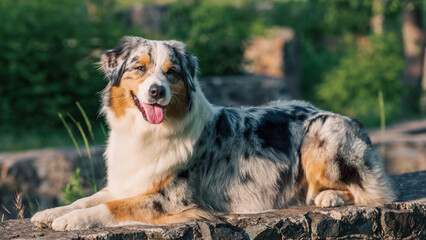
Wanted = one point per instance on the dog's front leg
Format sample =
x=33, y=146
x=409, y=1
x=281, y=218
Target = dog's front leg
x=145, y=208
x=45, y=218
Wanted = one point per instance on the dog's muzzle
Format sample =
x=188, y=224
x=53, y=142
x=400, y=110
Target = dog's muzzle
x=153, y=113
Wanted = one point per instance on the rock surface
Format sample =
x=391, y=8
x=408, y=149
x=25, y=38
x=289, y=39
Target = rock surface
x=249, y=90
x=405, y=218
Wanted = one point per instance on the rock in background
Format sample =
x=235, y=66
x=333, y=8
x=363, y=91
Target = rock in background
x=402, y=146
x=42, y=174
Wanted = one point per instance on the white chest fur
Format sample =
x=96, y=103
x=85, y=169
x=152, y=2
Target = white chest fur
x=140, y=154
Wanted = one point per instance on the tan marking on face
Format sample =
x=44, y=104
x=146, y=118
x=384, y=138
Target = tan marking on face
x=167, y=65
x=121, y=99
x=144, y=60
x=179, y=101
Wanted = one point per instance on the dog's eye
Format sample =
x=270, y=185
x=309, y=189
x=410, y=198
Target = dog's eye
x=173, y=75
x=171, y=71
x=141, y=68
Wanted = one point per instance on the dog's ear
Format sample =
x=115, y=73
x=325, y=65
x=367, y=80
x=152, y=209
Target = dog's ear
x=113, y=62
x=188, y=62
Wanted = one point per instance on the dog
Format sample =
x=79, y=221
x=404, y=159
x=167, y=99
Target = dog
x=174, y=157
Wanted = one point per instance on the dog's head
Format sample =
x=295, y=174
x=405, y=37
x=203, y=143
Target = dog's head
x=155, y=77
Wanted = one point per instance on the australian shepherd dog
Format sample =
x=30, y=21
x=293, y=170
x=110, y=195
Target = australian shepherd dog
x=174, y=157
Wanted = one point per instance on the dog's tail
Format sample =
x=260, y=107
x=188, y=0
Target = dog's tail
x=337, y=154
x=376, y=187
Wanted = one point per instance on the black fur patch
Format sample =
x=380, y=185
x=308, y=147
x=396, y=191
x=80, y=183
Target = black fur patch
x=201, y=142
x=203, y=155
x=283, y=178
x=135, y=59
x=183, y=174
x=273, y=131
x=246, y=178
x=218, y=142
x=302, y=117
x=162, y=192
x=362, y=135
x=322, y=118
x=157, y=206
x=185, y=202
x=223, y=126
x=348, y=174
x=249, y=128
x=321, y=143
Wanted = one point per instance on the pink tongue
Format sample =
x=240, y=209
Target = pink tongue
x=154, y=113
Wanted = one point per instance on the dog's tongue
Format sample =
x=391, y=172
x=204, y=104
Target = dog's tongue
x=154, y=113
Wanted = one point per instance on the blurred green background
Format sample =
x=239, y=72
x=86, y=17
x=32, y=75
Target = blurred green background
x=49, y=50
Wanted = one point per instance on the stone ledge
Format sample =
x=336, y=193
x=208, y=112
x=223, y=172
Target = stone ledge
x=405, y=218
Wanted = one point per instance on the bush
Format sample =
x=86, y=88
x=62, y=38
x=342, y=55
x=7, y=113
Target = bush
x=48, y=55
x=352, y=86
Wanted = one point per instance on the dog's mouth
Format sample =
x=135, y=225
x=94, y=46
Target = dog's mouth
x=153, y=113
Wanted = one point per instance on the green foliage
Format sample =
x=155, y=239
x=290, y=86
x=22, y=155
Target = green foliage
x=352, y=86
x=344, y=65
x=214, y=32
x=74, y=190
x=48, y=55
x=317, y=19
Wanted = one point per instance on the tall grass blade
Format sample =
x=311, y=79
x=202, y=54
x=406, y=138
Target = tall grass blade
x=86, y=119
x=19, y=206
x=7, y=210
x=30, y=203
x=91, y=178
x=38, y=205
x=382, y=122
x=104, y=132
x=382, y=113
x=70, y=134
x=86, y=143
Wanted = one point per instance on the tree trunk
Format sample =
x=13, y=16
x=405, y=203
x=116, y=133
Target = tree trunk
x=377, y=20
x=413, y=37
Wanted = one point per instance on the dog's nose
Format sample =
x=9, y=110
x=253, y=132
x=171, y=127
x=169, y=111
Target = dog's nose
x=156, y=91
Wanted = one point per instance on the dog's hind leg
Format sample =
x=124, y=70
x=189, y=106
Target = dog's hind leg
x=340, y=164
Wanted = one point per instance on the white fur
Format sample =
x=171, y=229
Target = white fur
x=329, y=198
x=86, y=218
x=45, y=218
x=140, y=154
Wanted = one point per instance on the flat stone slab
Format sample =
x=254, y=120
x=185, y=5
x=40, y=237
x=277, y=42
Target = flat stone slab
x=405, y=218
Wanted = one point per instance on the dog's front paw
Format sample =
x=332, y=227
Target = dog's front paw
x=45, y=218
x=83, y=219
x=329, y=198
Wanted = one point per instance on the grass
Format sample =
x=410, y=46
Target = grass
x=74, y=190
x=18, y=206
